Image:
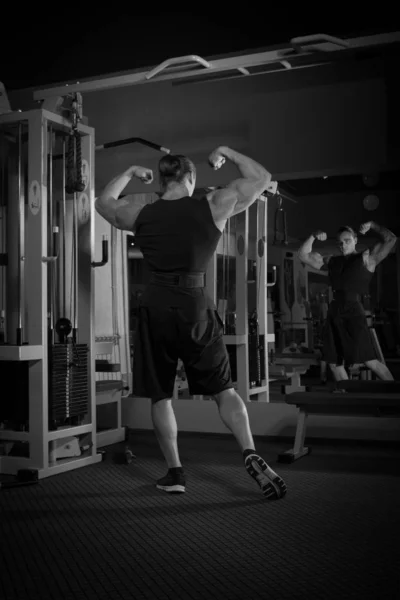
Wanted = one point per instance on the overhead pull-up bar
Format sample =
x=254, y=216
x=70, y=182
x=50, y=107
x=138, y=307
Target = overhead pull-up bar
x=243, y=63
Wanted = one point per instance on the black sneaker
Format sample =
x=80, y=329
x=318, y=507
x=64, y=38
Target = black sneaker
x=272, y=486
x=172, y=483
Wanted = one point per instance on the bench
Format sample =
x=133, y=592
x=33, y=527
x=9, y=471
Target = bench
x=360, y=398
x=294, y=365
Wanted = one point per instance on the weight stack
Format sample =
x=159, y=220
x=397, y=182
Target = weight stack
x=253, y=358
x=256, y=359
x=68, y=381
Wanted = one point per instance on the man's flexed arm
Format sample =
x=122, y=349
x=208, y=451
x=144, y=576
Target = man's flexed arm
x=383, y=247
x=306, y=254
x=122, y=213
x=241, y=193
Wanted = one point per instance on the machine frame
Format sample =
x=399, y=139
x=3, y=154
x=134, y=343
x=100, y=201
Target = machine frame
x=35, y=260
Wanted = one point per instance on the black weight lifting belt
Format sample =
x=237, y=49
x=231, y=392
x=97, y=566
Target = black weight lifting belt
x=343, y=296
x=183, y=280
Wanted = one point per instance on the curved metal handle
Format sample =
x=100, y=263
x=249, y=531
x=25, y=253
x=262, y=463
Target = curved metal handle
x=190, y=58
x=273, y=282
x=104, y=260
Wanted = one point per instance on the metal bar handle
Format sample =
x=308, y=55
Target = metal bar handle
x=124, y=142
x=190, y=58
x=104, y=260
x=133, y=140
x=55, y=246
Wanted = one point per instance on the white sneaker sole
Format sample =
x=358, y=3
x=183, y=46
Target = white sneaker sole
x=172, y=489
x=272, y=486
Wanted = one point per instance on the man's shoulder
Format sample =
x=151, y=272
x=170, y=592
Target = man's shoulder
x=330, y=259
x=203, y=193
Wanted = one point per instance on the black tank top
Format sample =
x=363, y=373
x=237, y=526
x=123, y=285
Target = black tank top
x=349, y=274
x=177, y=235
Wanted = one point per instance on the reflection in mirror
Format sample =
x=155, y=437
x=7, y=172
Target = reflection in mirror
x=327, y=203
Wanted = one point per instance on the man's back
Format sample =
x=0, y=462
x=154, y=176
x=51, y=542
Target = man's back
x=177, y=235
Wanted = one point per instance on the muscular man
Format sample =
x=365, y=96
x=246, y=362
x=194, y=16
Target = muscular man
x=347, y=338
x=178, y=235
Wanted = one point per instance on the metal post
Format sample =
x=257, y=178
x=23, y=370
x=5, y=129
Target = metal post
x=74, y=266
x=262, y=271
x=242, y=348
x=223, y=285
x=13, y=241
x=85, y=275
x=228, y=315
x=63, y=229
x=21, y=244
x=397, y=262
x=3, y=246
x=51, y=305
x=37, y=282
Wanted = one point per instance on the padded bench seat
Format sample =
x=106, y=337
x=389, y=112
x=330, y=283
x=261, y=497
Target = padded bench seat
x=360, y=398
x=293, y=366
x=335, y=402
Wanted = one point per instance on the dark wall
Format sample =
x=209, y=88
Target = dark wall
x=330, y=212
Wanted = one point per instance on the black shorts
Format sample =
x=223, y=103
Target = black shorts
x=347, y=338
x=186, y=328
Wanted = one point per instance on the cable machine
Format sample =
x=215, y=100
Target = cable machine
x=47, y=412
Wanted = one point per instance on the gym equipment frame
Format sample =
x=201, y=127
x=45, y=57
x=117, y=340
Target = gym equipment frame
x=302, y=52
x=240, y=236
x=59, y=433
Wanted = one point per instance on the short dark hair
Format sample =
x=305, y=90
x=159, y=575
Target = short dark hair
x=174, y=168
x=346, y=229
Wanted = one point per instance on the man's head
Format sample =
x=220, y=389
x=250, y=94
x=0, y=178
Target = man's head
x=177, y=172
x=347, y=240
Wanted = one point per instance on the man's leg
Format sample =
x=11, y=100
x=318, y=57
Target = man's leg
x=154, y=370
x=166, y=431
x=379, y=369
x=323, y=375
x=339, y=372
x=332, y=345
x=234, y=415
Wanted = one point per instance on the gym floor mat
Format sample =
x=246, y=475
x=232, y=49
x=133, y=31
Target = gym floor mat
x=105, y=531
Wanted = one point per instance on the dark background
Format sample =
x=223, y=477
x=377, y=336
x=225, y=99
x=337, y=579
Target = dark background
x=64, y=42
